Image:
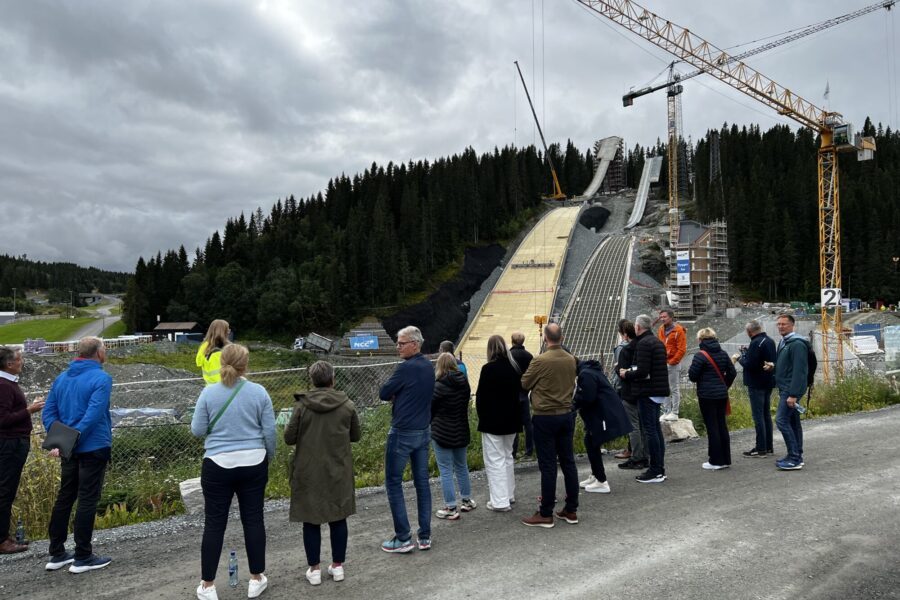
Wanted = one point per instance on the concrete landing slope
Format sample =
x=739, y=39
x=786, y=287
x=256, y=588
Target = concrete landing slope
x=589, y=322
x=605, y=152
x=650, y=174
x=526, y=288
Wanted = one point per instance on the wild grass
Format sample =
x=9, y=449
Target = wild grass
x=114, y=330
x=52, y=330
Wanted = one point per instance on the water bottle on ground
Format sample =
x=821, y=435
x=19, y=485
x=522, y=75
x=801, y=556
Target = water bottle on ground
x=232, y=569
x=20, y=532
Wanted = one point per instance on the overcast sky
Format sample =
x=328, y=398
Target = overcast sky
x=137, y=126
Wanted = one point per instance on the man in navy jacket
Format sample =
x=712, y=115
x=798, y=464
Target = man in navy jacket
x=79, y=398
x=760, y=384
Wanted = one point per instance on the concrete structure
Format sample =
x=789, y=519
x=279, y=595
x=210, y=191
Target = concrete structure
x=650, y=175
x=606, y=151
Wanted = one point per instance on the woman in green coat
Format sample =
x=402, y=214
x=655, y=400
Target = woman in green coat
x=323, y=425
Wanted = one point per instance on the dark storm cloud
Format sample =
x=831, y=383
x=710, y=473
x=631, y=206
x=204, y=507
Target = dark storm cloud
x=130, y=127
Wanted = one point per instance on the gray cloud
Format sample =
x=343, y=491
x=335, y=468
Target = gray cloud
x=130, y=127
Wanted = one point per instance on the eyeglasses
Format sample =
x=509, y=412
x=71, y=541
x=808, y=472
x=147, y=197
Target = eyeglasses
x=401, y=344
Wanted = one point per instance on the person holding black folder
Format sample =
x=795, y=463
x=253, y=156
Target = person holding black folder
x=79, y=398
x=15, y=433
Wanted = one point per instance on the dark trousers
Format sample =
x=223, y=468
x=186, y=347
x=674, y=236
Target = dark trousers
x=13, y=453
x=554, y=439
x=595, y=456
x=761, y=409
x=81, y=479
x=312, y=541
x=648, y=412
x=713, y=412
x=219, y=486
x=525, y=405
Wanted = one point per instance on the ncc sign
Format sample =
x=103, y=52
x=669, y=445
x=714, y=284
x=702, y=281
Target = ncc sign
x=683, y=267
x=364, y=342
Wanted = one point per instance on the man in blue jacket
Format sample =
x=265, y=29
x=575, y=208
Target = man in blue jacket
x=410, y=389
x=79, y=398
x=791, y=369
x=760, y=384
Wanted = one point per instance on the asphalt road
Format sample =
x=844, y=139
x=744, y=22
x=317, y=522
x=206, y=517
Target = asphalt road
x=104, y=319
x=828, y=531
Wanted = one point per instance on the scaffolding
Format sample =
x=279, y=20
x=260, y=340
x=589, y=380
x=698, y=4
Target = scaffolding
x=615, y=179
x=703, y=285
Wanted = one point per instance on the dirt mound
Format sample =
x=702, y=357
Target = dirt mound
x=443, y=314
x=594, y=218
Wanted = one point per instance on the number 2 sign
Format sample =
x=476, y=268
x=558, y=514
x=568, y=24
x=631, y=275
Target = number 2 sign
x=831, y=297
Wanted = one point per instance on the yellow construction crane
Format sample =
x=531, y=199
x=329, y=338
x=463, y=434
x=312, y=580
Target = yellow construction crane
x=557, y=191
x=835, y=136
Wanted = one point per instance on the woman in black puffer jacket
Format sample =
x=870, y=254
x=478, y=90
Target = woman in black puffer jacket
x=450, y=434
x=712, y=395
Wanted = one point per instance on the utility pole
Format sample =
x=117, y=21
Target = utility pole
x=71, y=304
x=14, y=301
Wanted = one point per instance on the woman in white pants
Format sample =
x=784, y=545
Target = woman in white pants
x=499, y=420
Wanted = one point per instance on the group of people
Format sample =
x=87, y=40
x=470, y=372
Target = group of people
x=537, y=397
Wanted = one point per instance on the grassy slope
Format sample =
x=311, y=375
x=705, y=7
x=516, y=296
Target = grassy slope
x=52, y=330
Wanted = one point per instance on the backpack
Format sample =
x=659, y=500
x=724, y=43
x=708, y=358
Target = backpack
x=812, y=363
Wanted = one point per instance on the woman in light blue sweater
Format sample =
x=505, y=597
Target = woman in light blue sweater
x=237, y=420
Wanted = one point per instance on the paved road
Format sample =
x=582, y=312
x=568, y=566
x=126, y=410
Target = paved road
x=828, y=531
x=104, y=320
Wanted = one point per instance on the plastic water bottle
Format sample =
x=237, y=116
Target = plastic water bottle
x=799, y=407
x=232, y=569
x=20, y=532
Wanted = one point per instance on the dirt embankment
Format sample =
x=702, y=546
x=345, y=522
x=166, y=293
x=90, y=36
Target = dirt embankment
x=443, y=314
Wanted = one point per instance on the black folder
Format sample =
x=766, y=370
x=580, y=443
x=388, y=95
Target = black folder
x=63, y=437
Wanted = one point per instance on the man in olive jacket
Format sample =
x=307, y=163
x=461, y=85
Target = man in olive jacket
x=649, y=380
x=551, y=379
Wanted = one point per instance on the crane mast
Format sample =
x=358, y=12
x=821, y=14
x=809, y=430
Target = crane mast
x=704, y=56
x=557, y=191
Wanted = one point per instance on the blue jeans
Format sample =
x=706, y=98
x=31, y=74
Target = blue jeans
x=450, y=461
x=554, y=439
x=787, y=420
x=761, y=409
x=648, y=413
x=403, y=447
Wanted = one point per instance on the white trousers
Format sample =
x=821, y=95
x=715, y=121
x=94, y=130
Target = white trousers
x=499, y=467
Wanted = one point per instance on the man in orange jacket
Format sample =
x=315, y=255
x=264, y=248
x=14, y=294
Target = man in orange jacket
x=674, y=336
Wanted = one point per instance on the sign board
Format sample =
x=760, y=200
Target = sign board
x=831, y=297
x=683, y=267
x=892, y=348
x=364, y=342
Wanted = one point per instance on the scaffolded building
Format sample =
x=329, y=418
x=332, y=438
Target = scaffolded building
x=700, y=270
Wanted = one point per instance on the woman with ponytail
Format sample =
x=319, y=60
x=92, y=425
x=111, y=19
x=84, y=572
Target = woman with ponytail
x=209, y=355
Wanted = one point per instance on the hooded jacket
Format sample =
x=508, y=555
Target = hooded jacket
x=80, y=399
x=598, y=404
x=701, y=372
x=209, y=367
x=450, y=410
x=323, y=425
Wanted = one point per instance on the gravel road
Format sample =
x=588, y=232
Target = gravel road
x=828, y=531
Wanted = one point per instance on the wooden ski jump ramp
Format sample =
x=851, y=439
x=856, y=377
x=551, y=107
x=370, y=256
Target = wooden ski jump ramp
x=526, y=288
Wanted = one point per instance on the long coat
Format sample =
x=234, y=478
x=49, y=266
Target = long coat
x=323, y=425
x=599, y=405
x=497, y=399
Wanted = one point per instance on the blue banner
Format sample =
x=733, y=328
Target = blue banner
x=364, y=342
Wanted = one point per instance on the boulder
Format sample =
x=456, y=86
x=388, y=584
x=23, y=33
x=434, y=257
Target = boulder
x=676, y=431
x=192, y=496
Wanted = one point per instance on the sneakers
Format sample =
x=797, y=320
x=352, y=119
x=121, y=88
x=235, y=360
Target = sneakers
x=448, y=512
x=315, y=577
x=587, y=481
x=754, y=453
x=424, y=544
x=395, y=545
x=498, y=508
x=711, y=467
x=90, y=563
x=568, y=517
x=468, y=505
x=58, y=562
x=648, y=477
x=255, y=588
x=536, y=520
x=598, y=487
x=634, y=464
x=337, y=573
x=788, y=465
x=669, y=417
x=208, y=593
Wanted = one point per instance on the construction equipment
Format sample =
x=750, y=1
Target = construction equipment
x=835, y=136
x=557, y=191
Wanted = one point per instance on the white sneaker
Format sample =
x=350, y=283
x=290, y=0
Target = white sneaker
x=337, y=573
x=711, y=467
x=670, y=417
x=207, y=593
x=587, y=481
x=255, y=588
x=314, y=577
x=493, y=508
x=599, y=487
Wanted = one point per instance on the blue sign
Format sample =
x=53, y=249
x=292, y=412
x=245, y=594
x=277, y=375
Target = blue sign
x=364, y=342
